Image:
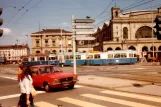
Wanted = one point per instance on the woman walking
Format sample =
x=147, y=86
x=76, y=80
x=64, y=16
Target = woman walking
x=25, y=82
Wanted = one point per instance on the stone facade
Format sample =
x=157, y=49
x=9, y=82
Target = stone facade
x=13, y=53
x=131, y=30
x=50, y=40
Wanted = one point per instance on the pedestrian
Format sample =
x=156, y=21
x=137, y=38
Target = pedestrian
x=25, y=82
x=19, y=72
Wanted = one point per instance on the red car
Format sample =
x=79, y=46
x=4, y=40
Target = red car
x=50, y=76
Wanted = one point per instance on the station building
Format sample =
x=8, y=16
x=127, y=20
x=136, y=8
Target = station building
x=131, y=30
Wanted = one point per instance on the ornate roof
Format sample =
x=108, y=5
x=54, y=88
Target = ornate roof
x=51, y=31
x=14, y=46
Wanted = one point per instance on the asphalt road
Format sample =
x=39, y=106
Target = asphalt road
x=148, y=73
x=79, y=96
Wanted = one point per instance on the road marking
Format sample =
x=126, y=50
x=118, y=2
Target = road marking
x=13, y=78
x=78, y=86
x=118, y=101
x=16, y=95
x=142, y=97
x=44, y=104
x=140, y=68
x=79, y=102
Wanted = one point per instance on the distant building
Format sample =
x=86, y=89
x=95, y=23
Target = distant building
x=13, y=53
x=56, y=40
x=130, y=30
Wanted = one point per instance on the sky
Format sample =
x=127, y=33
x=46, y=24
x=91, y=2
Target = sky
x=23, y=17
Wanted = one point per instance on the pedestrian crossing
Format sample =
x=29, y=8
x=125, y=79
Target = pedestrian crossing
x=107, y=96
x=114, y=100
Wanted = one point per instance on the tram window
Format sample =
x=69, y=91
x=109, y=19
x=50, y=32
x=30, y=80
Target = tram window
x=32, y=59
x=38, y=58
x=52, y=58
x=97, y=56
x=90, y=57
x=123, y=55
x=71, y=56
x=42, y=58
x=130, y=55
x=117, y=55
x=25, y=59
x=135, y=55
x=67, y=57
x=110, y=55
x=78, y=57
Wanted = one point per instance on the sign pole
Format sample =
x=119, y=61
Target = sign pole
x=73, y=38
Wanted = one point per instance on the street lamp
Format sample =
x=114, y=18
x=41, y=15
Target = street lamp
x=61, y=43
x=27, y=39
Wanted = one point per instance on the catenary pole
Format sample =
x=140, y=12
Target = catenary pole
x=73, y=38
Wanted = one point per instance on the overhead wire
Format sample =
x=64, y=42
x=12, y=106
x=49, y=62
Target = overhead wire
x=28, y=10
x=139, y=5
x=126, y=9
x=18, y=11
x=133, y=4
x=104, y=10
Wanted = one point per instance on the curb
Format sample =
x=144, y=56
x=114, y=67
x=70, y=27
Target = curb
x=112, y=88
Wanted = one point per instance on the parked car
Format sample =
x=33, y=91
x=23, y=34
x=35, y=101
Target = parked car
x=50, y=76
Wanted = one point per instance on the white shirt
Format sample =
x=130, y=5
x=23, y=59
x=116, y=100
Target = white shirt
x=26, y=85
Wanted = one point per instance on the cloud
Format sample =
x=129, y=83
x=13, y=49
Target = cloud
x=65, y=25
x=6, y=31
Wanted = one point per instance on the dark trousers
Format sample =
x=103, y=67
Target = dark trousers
x=22, y=100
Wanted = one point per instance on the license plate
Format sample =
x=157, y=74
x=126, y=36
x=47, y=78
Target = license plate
x=66, y=83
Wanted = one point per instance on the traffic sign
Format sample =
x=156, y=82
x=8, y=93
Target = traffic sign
x=84, y=26
x=84, y=32
x=85, y=37
x=84, y=20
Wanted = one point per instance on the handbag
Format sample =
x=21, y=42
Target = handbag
x=33, y=92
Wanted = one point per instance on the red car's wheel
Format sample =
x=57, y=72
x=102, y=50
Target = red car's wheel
x=71, y=86
x=47, y=87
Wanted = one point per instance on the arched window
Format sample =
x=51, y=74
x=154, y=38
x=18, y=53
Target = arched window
x=108, y=49
x=145, y=48
x=159, y=48
x=116, y=13
x=69, y=50
x=125, y=33
x=144, y=32
x=132, y=48
x=37, y=51
x=118, y=48
x=54, y=51
x=151, y=48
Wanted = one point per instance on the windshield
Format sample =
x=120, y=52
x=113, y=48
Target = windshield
x=49, y=69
